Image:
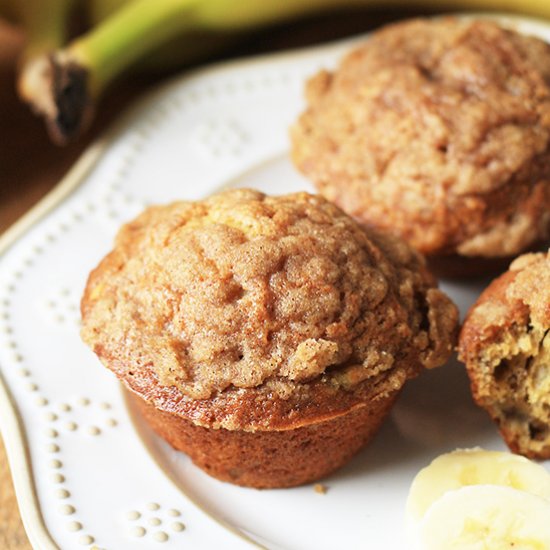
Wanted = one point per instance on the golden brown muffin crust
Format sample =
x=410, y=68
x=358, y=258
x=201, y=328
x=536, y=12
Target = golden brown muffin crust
x=278, y=303
x=438, y=130
x=505, y=345
x=267, y=459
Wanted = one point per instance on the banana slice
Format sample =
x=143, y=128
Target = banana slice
x=487, y=517
x=472, y=467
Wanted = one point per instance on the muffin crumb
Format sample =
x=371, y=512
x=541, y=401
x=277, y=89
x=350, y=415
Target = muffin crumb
x=320, y=488
x=505, y=344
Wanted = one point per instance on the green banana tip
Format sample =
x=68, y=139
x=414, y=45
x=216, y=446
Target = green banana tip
x=56, y=88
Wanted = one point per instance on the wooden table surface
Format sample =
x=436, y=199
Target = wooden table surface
x=30, y=165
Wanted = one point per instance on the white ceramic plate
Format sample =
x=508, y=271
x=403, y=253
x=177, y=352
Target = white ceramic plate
x=86, y=473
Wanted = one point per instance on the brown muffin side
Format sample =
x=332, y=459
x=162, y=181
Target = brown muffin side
x=437, y=130
x=505, y=344
x=274, y=458
x=460, y=268
x=463, y=268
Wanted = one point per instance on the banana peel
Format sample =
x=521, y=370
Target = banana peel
x=62, y=83
x=62, y=80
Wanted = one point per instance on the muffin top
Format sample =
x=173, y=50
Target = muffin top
x=515, y=302
x=245, y=297
x=438, y=130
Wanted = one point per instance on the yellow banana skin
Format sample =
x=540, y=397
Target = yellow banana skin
x=224, y=14
x=61, y=84
x=128, y=31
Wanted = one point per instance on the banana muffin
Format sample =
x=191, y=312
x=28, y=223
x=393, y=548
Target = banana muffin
x=266, y=337
x=506, y=347
x=439, y=131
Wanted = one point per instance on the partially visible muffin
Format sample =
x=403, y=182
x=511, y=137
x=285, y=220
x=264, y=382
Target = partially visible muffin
x=505, y=344
x=267, y=337
x=439, y=131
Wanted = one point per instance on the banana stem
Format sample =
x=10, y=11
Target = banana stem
x=63, y=85
x=45, y=24
x=129, y=34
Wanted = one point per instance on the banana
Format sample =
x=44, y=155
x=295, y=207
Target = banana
x=462, y=468
x=62, y=83
x=471, y=467
x=487, y=517
x=45, y=24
